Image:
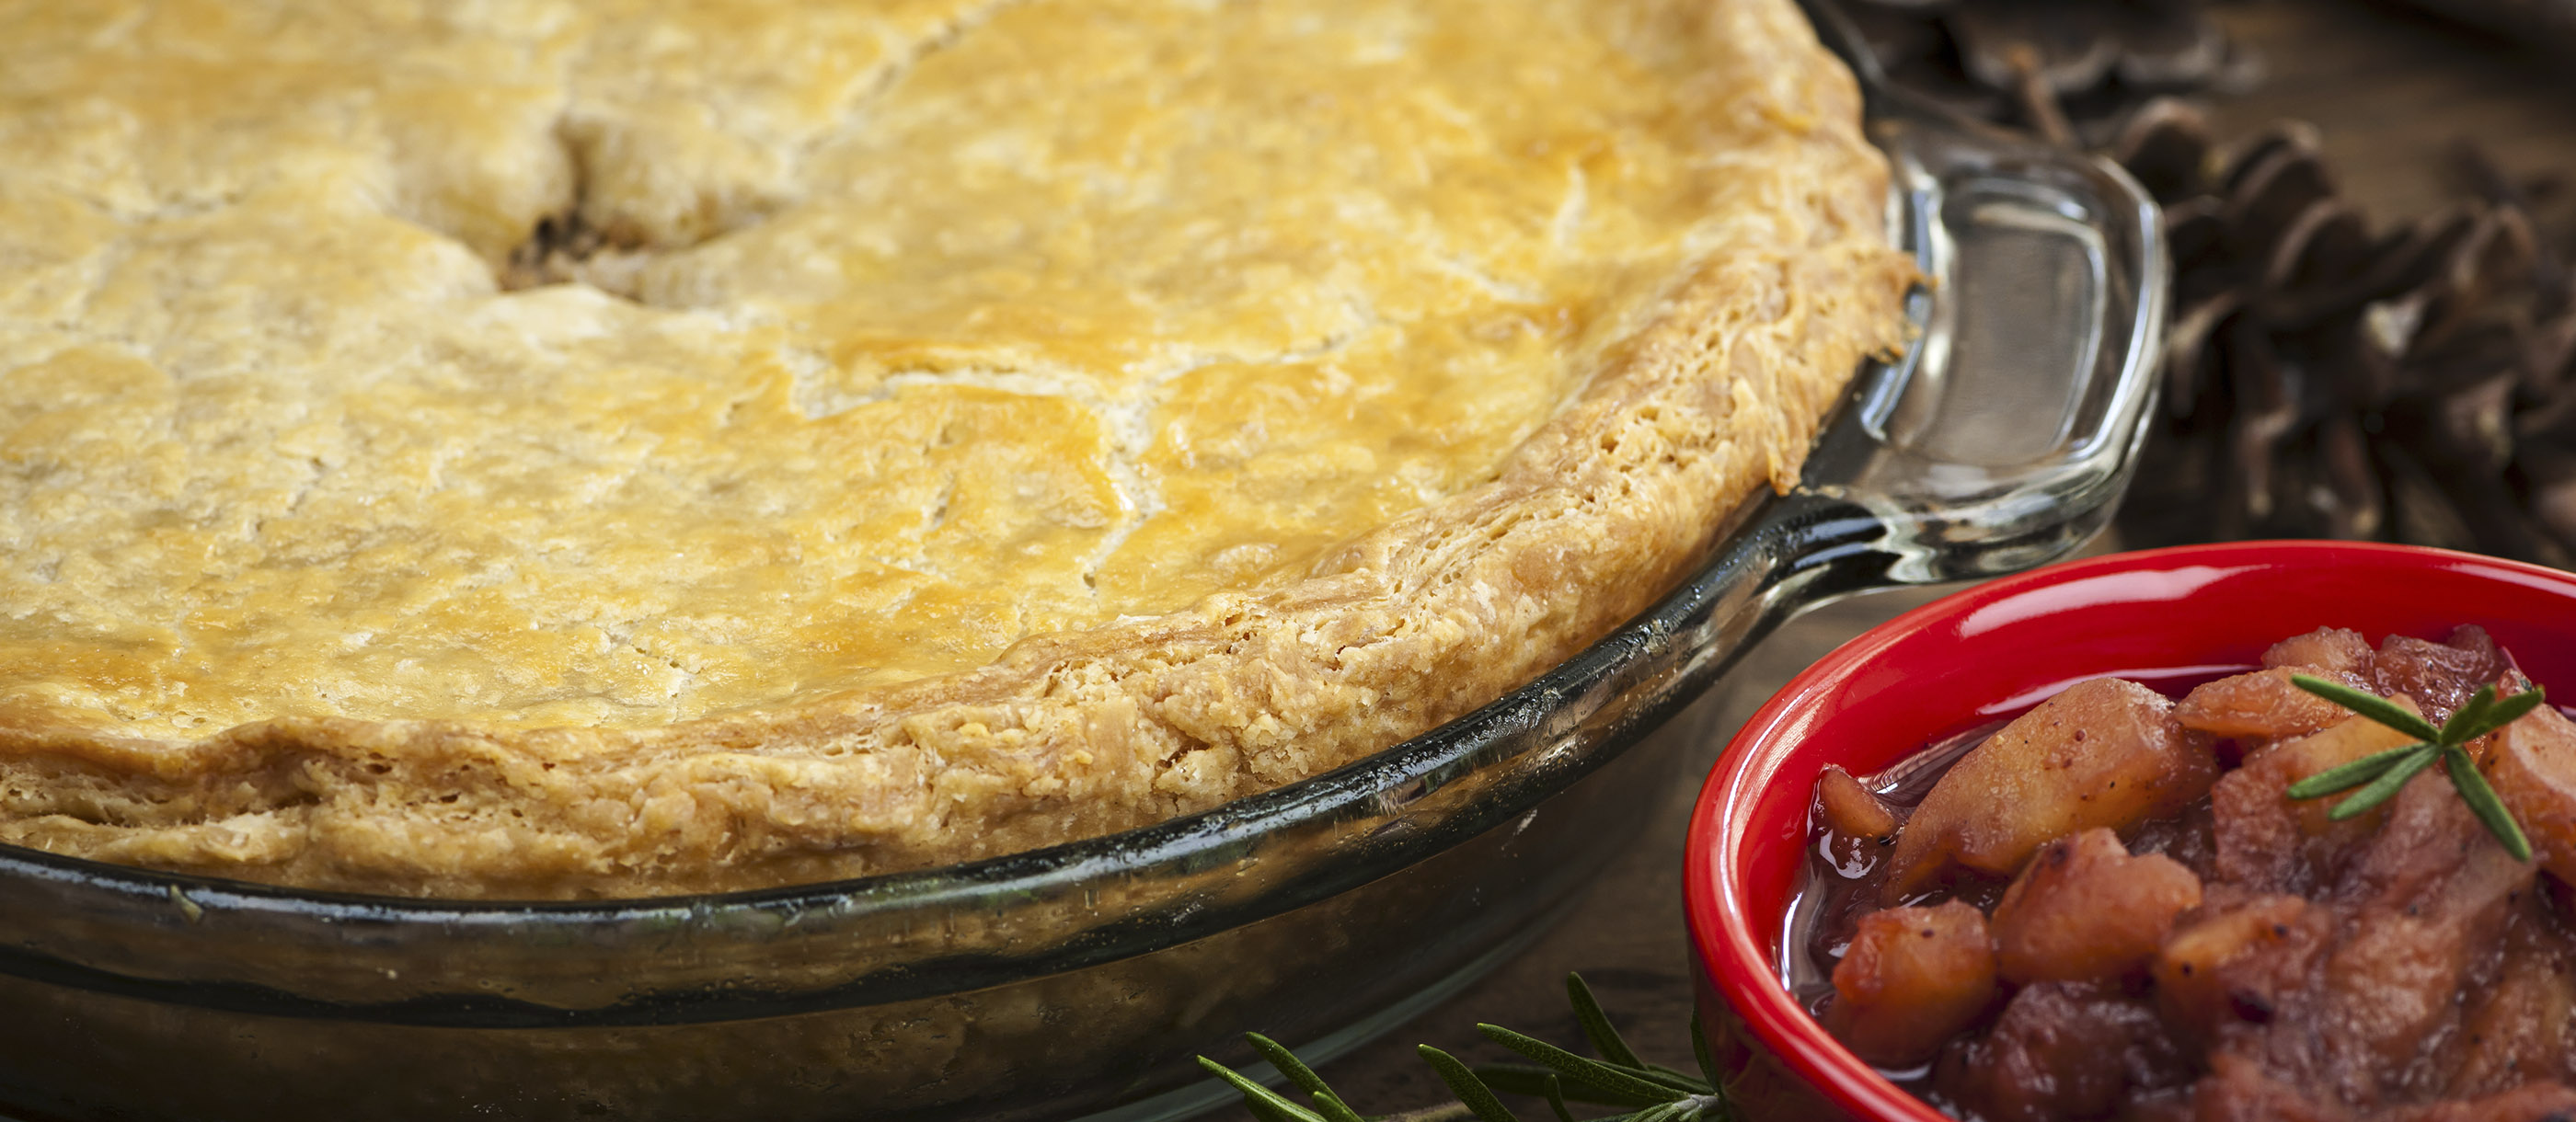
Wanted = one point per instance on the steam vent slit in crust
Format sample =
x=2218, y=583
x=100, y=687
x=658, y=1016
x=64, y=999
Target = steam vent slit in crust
x=559, y=448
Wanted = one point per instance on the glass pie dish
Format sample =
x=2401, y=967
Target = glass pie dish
x=1079, y=980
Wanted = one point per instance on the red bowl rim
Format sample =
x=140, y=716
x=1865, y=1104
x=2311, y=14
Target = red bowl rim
x=1735, y=958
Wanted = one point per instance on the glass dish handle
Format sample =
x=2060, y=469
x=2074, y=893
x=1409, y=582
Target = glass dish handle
x=2003, y=438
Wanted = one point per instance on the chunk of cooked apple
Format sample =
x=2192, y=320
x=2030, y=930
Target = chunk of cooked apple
x=2084, y=910
x=2531, y=763
x=1912, y=979
x=2233, y=959
x=2100, y=753
x=2522, y=1025
x=2440, y=676
x=2333, y=650
x=1850, y=809
x=2264, y=705
x=2063, y=1050
x=2267, y=840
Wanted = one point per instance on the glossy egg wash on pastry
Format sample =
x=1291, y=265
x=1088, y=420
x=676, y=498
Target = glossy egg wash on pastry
x=563, y=448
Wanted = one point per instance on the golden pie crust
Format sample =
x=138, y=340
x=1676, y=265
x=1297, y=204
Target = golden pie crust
x=920, y=430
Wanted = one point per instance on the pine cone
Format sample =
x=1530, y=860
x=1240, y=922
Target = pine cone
x=2323, y=381
x=2047, y=64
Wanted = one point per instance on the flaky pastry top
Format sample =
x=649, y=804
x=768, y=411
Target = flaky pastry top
x=548, y=448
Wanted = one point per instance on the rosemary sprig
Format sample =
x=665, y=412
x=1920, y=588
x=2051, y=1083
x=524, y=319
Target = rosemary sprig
x=2381, y=774
x=1652, y=1092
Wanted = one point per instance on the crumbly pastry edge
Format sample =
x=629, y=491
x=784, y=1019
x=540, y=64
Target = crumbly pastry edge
x=1076, y=734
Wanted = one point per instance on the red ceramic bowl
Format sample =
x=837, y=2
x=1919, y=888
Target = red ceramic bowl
x=1990, y=652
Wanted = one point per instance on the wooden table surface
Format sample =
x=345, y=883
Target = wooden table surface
x=2393, y=91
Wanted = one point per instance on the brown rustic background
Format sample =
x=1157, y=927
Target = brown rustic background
x=2394, y=90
